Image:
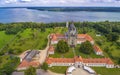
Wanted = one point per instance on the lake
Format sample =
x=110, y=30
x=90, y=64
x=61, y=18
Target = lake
x=31, y=15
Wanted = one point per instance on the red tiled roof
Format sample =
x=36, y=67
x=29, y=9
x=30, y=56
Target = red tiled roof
x=59, y=60
x=89, y=38
x=110, y=61
x=97, y=48
x=84, y=37
x=79, y=59
x=51, y=49
x=81, y=35
x=60, y=35
x=56, y=37
x=97, y=60
x=25, y=63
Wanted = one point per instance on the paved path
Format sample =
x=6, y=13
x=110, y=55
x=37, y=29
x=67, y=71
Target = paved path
x=43, y=53
x=52, y=73
x=74, y=52
x=80, y=71
x=41, y=72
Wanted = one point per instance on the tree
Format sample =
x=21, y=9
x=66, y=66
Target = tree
x=44, y=66
x=62, y=46
x=112, y=36
x=118, y=60
x=9, y=65
x=30, y=71
x=86, y=47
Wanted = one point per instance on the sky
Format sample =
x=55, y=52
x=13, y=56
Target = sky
x=22, y=3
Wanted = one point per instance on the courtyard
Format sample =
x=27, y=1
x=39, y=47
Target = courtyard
x=80, y=71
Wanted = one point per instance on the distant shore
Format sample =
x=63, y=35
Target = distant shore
x=99, y=9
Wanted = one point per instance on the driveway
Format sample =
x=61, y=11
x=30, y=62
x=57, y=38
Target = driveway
x=80, y=71
x=52, y=73
x=42, y=72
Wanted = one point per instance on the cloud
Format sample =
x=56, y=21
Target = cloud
x=59, y=2
x=25, y=0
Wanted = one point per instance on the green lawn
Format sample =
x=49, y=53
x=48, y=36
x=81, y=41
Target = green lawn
x=65, y=55
x=58, y=69
x=4, y=38
x=107, y=71
x=92, y=55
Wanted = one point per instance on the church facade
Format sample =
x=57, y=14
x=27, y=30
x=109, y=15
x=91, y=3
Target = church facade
x=71, y=36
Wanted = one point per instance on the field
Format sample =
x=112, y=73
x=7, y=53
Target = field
x=4, y=38
x=106, y=71
x=29, y=39
x=32, y=39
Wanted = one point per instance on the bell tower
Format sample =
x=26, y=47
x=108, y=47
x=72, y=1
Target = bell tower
x=72, y=35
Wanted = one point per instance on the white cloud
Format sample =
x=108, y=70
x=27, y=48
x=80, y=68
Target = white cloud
x=26, y=0
x=60, y=2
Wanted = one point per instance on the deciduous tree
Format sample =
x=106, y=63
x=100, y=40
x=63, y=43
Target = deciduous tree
x=45, y=66
x=62, y=46
x=30, y=71
x=86, y=47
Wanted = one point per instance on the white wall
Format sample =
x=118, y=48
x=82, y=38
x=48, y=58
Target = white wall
x=61, y=64
x=54, y=42
x=51, y=52
x=110, y=66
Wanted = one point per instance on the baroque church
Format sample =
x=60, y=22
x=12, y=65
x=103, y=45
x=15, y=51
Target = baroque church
x=71, y=36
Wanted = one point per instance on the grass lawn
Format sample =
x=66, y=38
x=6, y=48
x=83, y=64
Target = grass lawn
x=107, y=71
x=65, y=55
x=58, y=69
x=92, y=55
x=4, y=38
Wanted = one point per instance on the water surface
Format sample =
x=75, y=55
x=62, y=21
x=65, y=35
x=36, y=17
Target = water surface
x=30, y=15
